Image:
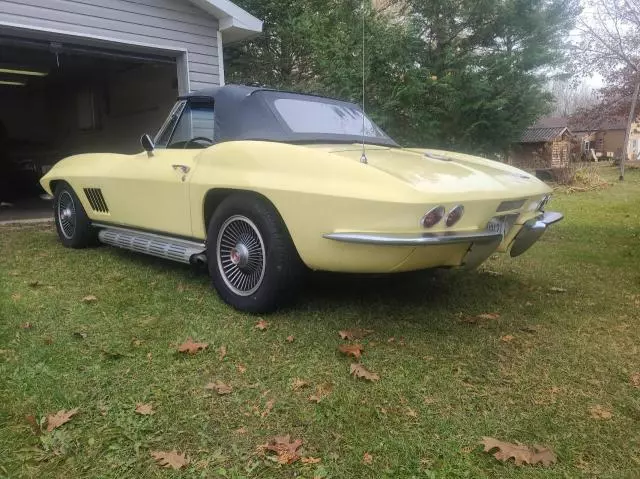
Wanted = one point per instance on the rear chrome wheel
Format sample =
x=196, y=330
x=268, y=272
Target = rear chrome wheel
x=252, y=261
x=241, y=255
x=66, y=214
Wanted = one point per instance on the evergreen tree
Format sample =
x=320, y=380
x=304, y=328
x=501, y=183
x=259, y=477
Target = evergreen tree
x=458, y=74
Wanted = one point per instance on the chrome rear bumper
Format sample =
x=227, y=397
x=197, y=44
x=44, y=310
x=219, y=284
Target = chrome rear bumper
x=417, y=239
x=481, y=243
x=531, y=232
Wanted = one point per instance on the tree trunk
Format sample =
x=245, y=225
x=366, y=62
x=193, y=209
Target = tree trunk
x=632, y=116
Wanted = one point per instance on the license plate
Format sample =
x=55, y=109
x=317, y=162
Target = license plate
x=502, y=224
x=497, y=225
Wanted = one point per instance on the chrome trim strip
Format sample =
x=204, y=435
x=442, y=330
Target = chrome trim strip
x=172, y=239
x=416, y=239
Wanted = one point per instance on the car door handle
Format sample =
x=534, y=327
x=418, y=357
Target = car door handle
x=184, y=169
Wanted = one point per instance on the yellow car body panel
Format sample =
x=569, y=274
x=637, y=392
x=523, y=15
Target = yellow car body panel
x=317, y=190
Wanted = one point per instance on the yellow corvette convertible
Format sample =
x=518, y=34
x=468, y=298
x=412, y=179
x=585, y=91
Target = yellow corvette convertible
x=262, y=184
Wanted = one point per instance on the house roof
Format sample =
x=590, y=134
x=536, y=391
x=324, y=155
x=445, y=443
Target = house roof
x=551, y=122
x=618, y=123
x=235, y=24
x=541, y=135
x=550, y=127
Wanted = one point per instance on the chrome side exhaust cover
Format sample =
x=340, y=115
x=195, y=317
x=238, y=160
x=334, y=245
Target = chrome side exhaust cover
x=175, y=249
x=531, y=232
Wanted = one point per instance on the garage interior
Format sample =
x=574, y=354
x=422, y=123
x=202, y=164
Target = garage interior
x=59, y=99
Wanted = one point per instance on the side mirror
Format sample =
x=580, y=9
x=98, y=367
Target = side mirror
x=147, y=144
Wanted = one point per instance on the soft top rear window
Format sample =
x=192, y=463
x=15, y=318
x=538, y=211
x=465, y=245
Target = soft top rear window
x=311, y=115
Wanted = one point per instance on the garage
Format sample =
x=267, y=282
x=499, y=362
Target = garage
x=89, y=76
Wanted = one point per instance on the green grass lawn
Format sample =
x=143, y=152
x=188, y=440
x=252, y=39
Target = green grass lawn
x=445, y=383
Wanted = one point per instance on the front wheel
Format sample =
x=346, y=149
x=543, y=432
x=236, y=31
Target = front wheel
x=72, y=223
x=253, y=263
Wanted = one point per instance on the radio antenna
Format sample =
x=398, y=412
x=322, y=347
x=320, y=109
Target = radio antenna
x=363, y=158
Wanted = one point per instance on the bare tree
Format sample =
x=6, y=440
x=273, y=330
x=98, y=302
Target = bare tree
x=570, y=98
x=610, y=45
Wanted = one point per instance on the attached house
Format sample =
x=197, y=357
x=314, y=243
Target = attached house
x=604, y=138
x=82, y=76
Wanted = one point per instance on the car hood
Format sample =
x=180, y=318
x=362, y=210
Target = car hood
x=436, y=171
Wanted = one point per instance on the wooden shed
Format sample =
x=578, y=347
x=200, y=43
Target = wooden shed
x=547, y=144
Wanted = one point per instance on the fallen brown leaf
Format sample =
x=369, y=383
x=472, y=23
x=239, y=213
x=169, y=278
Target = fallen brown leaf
x=533, y=328
x=190, y=347
x=520, y=453
x=26, y=325
x=411, y=412
x=241, y=430
x=284, y=448
x=89, y=299
x=367, y=459
x=33, y=422
x=322, y=391
x=359, y=371
x=310, y=460
x=267, y=408
x=58, y=419
x=144, y=409
x=241, y=368
x=507, y=338
x=16, y=297
x=262, y=325
x=219, y=387
x=170, y=459
x=299, y=384
x=222, y=352
x=481, y=317
x=357, y=333
x=354, y=350
x=600, y=412
x=111, y=354
x=635, y=380
x=290, y=339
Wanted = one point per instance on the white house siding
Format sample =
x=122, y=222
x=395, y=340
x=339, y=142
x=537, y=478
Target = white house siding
x=170, y=24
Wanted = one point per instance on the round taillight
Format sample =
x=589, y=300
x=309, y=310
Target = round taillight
x=432, y=217
x=454, y=215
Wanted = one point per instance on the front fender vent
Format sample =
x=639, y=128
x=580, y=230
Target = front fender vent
x=96, y=200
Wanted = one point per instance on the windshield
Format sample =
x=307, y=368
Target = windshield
x=313, y=116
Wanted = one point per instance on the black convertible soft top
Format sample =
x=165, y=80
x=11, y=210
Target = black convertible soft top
x=249, y=113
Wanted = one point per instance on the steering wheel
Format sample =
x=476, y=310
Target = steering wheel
x=196, y=139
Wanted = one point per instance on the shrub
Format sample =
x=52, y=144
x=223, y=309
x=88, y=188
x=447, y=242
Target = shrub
x=579, y=178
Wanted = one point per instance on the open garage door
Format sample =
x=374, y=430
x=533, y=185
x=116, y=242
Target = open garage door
x=63, y=99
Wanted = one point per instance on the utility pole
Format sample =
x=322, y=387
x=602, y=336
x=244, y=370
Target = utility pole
x=632, y=116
